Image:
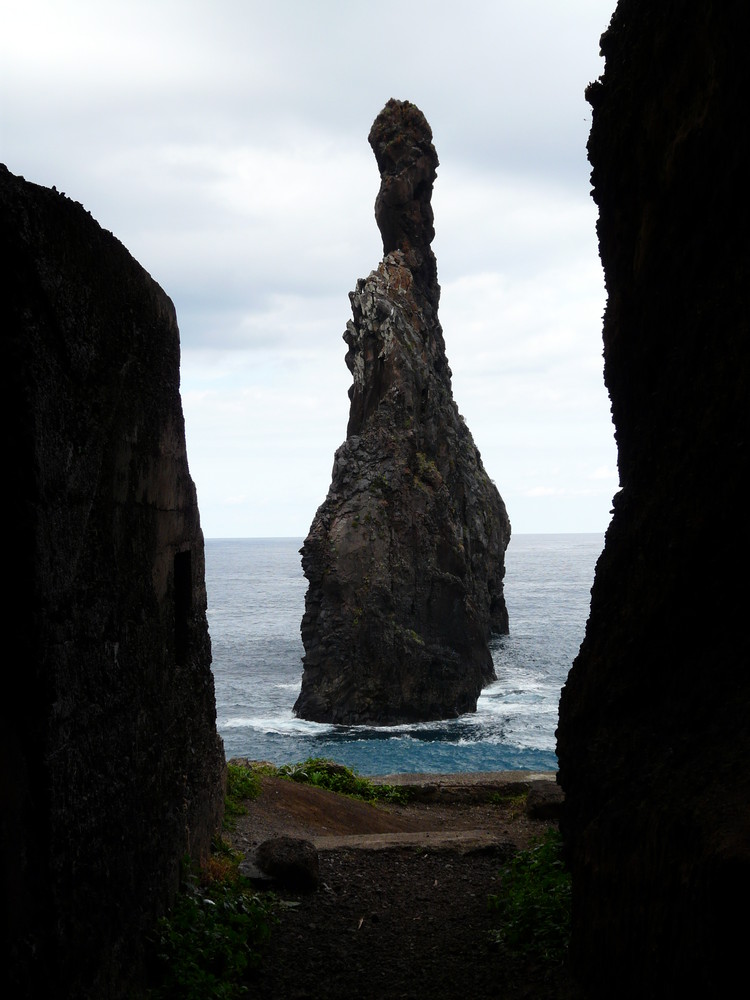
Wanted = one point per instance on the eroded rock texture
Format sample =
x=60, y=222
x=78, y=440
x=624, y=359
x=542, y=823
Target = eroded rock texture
x=405, y=558
x=654, y=740
x=112, y=770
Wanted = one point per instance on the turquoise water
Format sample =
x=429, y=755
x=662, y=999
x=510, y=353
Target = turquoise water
x=256, y=594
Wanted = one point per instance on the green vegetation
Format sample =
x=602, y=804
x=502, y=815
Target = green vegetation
x=381, y=485
x=514, y=802
x=415, y=637
x=242, y=783
x=209, y=944
x=426, y=466
x=328, y=774
x=534, y=902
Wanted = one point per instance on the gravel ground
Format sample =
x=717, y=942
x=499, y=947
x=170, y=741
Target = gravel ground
x=399, y=924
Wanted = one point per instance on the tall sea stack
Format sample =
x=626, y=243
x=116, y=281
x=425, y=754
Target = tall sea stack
x=405, y=557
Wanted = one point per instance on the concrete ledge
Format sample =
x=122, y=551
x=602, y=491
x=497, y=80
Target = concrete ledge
x=465, y=787
x=463, y=841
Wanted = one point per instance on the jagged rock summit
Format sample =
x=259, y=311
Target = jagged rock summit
x=406, y=556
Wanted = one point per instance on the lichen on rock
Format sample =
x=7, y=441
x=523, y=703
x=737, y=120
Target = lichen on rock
x=405, y=557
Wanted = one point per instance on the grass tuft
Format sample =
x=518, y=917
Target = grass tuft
x=243, y=783
x=534, y=902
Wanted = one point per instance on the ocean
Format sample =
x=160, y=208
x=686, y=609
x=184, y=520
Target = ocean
x=256, y=596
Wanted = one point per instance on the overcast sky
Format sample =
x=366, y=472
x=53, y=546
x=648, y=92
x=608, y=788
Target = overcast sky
x=225, y=144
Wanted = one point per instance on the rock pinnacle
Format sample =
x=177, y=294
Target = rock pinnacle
x=405, y=557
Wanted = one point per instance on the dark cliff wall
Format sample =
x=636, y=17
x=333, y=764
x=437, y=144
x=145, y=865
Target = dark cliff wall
x=111, y=766
x=405, y=558
x=654, y=739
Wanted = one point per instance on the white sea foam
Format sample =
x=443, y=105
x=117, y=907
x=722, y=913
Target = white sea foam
x=281, y=725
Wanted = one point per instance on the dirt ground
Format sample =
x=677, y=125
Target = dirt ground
x=402, y=907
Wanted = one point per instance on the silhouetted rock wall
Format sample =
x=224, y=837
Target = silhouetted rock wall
x=405, y=558
x=654, y=738
x=112, y=769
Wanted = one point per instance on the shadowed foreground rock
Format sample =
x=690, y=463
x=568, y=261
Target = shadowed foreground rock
x=654, y=740
x=292, y=862
x=405, y=558
x=112, y=770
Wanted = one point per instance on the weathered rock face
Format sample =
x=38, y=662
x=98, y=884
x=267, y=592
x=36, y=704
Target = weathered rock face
x=405, y=558
x=112, y=769
x=653, y=740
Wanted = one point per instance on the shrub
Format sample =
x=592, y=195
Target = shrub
x=210, y=942
x=323, y=773
x=534, y=901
